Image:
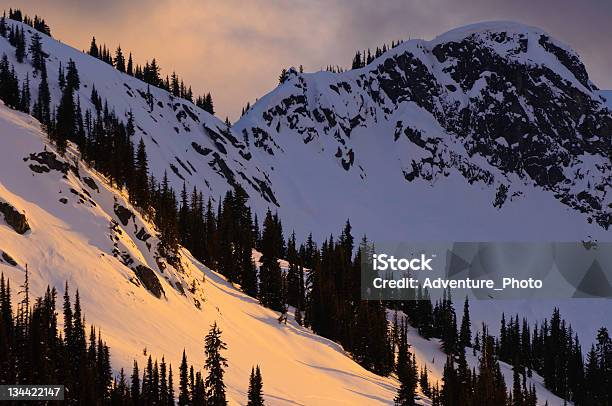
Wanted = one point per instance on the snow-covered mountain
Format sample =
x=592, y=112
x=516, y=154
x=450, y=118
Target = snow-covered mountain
x=181, y=139
x=490, y=131
x=82, y=231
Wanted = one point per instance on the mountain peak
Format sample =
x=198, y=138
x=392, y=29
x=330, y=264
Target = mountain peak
x=499, y=104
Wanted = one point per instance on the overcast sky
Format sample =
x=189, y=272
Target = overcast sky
x=236, y=48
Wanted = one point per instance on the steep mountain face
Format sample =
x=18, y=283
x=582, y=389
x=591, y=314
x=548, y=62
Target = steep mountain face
x=181, y=139
x=66, y=224
x=82, y=231
x=498, y=118
x=402, y=147
x=498, y=114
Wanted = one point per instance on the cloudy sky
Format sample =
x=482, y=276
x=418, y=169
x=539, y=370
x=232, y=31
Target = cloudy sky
x=236, y=48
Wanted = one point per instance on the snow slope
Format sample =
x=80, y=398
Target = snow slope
x=421, y=143
x=291, y=151
x=75, y=242
x=181, y=139
x=428, y=355
x=70, y=242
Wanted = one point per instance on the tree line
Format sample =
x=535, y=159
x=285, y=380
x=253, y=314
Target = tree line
x=551, y=349
x=38, y=23
x=365, y=57
x=150, y=73
x=34, y=350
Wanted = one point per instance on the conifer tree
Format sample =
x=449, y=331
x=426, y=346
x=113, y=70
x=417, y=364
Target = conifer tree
x=215, y=365
x=184, y=396
x=465, y=334
x=517, y=392
x=408, y=376
x=119, y=60
x=130, y=66
x=20, y=46
x=61, y=79
x=141, y=169
x=37, y=54
x=424, y=382
x=270, y=277
x=135, y=384
x=170, y=387
x=93, y=48
x=199, y=392
x=449, y=393
x=255, y=391
x=24, y=99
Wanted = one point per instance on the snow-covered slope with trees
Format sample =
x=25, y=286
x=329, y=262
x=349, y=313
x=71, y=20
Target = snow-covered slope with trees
x=499, y=114
x=82, y=231
x=488, y=132
x=491, y=131
x=181, y=139
x=82, y=240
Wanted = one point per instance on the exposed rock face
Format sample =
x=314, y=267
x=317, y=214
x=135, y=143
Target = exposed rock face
x=13, y=218
x=123, y=214
x=47, y=161
x=91, y=183
x=149, y=280
x=493, y=102
x=7, y=258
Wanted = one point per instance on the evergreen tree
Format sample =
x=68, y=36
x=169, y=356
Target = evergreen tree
x=130, y=66
x=465, y=334
x=9, y=84
x=408, y=377
x=170, y=387
x=283, y=76
x=93, y=48
x=61, y=79
x=25, y=97
x=38, y=56
x=119, y=60
x=270, y=277
x=135, y=384
x=215, y=364
x=517, y=392
x=20, y=46
x=255, y=391
x=184, y=396
x=141, y=170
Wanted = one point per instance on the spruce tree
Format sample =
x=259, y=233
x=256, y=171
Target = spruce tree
x=170, y=387
x=465, y=334
x=119, y=60
x=20, y=46
x=141, y=168
x=93, y=48
x=36, y=53
x=408, y=377
x=215, y=364
x=270, y=276
x=135, y=384
x=255, y=391
x=25, y=97
x=130, y=66
x=184, y=396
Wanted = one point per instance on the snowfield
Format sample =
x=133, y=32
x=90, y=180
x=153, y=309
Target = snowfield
x=75, y=241
x=77, y=235
x=70, y=242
